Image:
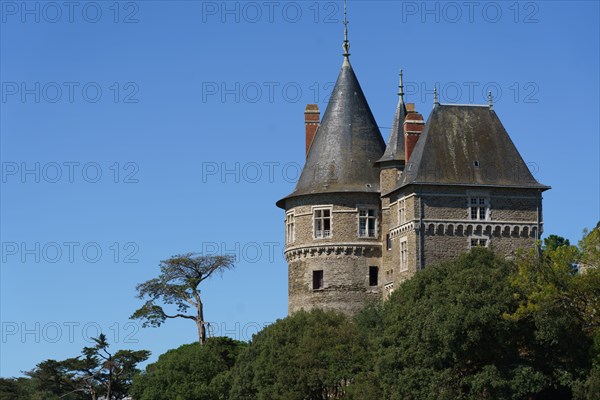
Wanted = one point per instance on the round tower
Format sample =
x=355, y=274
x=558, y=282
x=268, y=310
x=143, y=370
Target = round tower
x=333, y=217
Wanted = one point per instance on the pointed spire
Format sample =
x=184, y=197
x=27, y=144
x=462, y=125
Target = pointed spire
x=401, y=87
x=436, y=101
x=490, y=100
x=394, y=150
x=346, y=44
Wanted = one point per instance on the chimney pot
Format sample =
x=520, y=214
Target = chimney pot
x=410, y=107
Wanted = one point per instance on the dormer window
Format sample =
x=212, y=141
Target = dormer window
x=367, y=222
x=322, y=223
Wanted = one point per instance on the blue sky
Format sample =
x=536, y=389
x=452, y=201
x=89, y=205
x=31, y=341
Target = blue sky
x=133, y=131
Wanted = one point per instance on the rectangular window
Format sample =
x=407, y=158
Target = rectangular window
x=317, y=280
x=401, y=212
x=322, y=221
x=367, y=222
x=290, y=227
x=373, y=276
x=403, y=255
x=479, y=208
x=388, y=241
x=478, y=242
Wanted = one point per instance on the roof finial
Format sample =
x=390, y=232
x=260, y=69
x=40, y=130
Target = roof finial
x=401, y=86
x=490, y=100
x=436, y=101
x=346, y=44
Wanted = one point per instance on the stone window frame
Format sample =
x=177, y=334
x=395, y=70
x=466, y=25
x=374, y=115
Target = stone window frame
x=290, y=226
x=401, y=211
x=479, y=238
x=314, y=210
x=486, y=205
x=367, y=207
x=403, y=247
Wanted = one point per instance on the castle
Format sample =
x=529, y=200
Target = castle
x=365, y=216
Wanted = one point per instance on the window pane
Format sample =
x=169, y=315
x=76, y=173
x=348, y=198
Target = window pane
x=326, y=213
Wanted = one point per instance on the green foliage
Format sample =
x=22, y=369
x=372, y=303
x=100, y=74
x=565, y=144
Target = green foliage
x=590, y=248
x=309, y=355
x=19, y=389
x=97, y=372
x=553, y=242
x=445, y=337
x=190, y=372
x=548, y=282
x=53, y=379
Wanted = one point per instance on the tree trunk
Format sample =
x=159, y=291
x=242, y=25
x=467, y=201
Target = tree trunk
x=200, y=324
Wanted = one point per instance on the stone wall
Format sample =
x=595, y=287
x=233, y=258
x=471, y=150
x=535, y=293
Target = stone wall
x=345, y=278
x=447, y=227
x=344, y=258
x=436, y=228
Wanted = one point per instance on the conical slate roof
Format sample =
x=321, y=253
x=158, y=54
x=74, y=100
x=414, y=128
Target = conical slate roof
x=346, y=146
x=466, y=145
x=395, y=147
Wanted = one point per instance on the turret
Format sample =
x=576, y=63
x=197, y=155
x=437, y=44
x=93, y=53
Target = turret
x=333, y=238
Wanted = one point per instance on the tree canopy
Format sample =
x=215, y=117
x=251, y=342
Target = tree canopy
x=446, y=335
x=96, y=373
x=190, y=372
x=308, y=355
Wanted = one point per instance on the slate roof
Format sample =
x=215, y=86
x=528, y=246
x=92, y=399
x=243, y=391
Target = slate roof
x=395, y=147
x=346, y=146
x=466, y=145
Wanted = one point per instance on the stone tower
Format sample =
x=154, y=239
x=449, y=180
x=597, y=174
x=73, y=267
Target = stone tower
x=333, y=240
x=365, y=216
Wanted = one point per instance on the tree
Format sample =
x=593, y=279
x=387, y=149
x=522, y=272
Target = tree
x=548, y=286
x=190, y=372
x=550, y=281
x=444, y=336
x=97, y=373
x=309, y=355
x=177, y=285
x=17, y=388
x=52, y=379
x=552, y=242
x=113, y=373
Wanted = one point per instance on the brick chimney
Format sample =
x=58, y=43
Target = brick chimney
x=312, y=117
x=413, y=126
